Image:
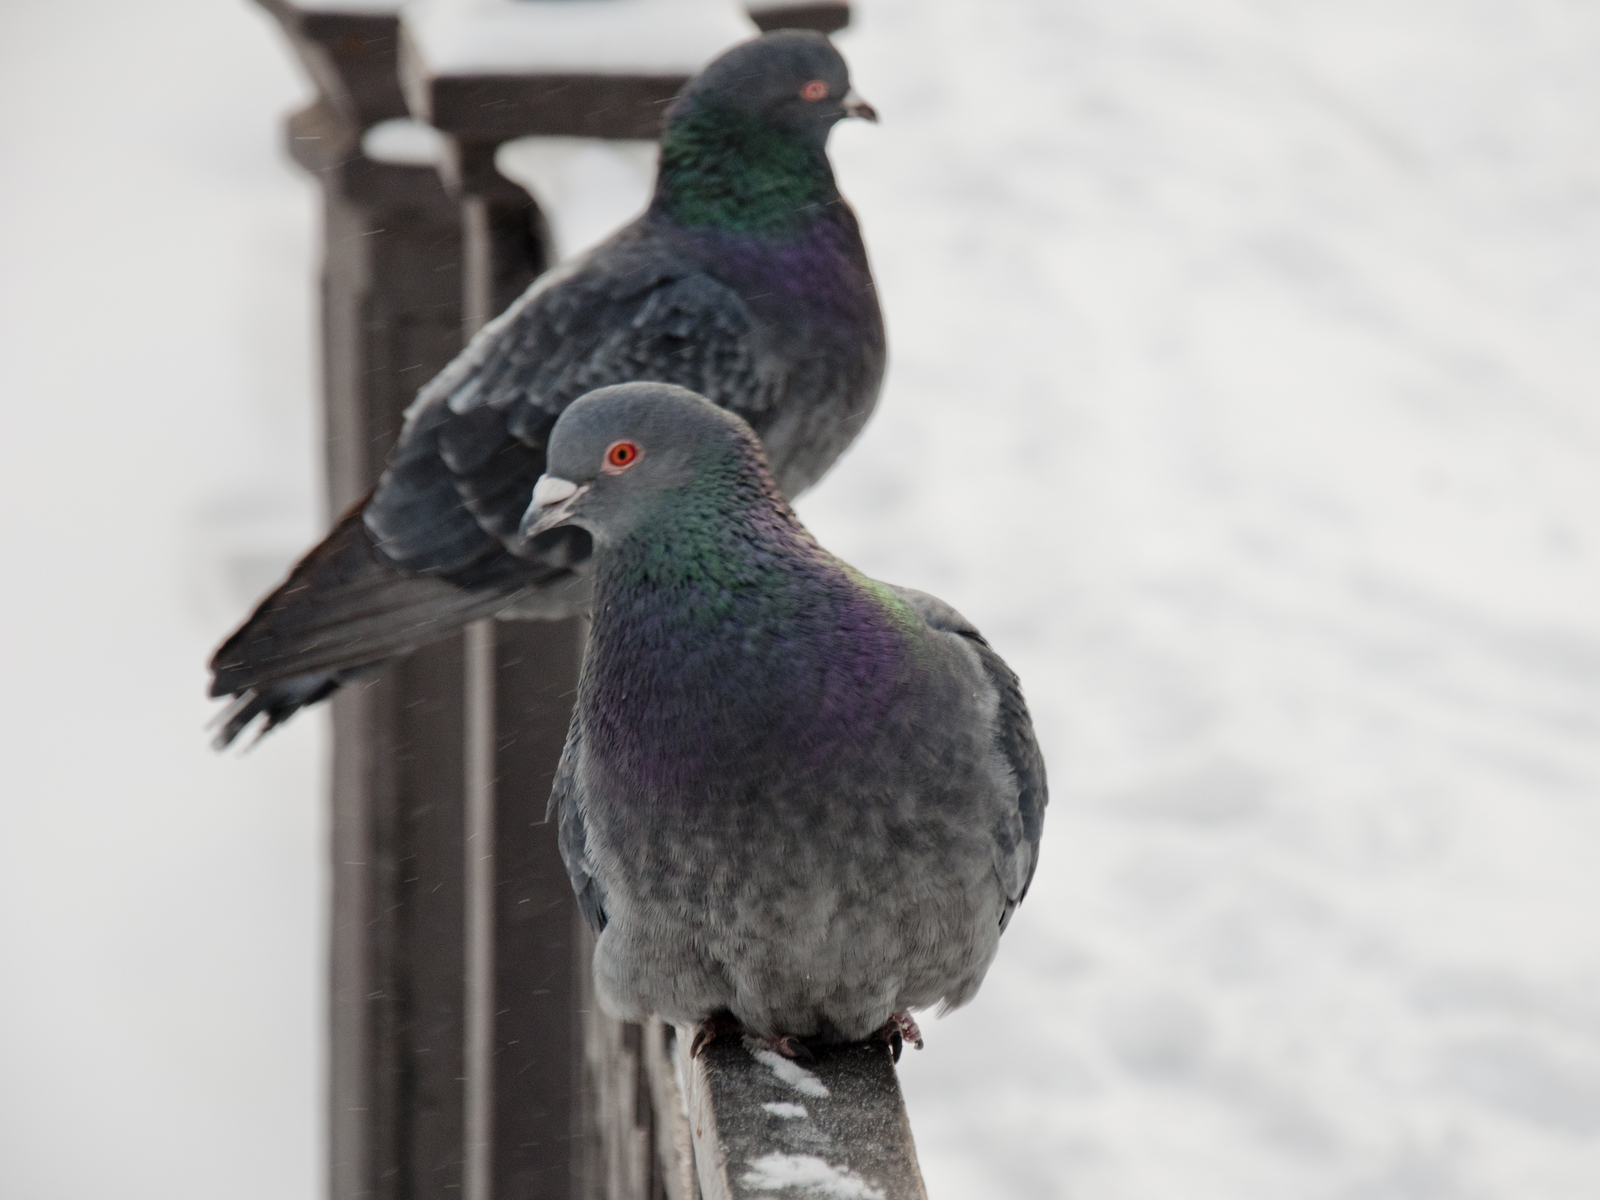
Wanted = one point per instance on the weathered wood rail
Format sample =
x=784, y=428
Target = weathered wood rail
x=466, y=1054
x=762, y=1124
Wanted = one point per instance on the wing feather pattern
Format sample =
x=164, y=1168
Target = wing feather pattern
x=436, y=546
x=566, y=804
x=474, y=441
x=1017, y=836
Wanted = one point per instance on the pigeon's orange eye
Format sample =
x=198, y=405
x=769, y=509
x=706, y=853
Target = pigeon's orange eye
x=619, y=457
x=815, y=90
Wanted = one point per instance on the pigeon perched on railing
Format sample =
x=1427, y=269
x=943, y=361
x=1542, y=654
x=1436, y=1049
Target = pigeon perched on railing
x=745, y=279
x=793, y=801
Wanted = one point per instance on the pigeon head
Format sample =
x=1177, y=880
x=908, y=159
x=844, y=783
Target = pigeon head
x=793, y=79
x=616, y=452
x=744, y=147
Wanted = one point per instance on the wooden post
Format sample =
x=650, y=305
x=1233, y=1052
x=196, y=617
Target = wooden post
x=466, y=1053
x=556, y=1089
x=536, y=1085
x=674, y=1142
x=391, y=318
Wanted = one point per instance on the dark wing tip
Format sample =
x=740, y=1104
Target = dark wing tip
x=274, y=703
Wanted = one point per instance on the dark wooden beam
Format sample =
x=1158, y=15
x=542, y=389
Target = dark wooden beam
x=501, y=107
x=526, y=992
x=825, y=16
x=350, y=56
x=391, y=319
x=529, y=990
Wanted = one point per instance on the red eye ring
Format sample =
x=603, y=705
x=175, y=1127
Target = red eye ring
x=817, y=89
x=619, y=456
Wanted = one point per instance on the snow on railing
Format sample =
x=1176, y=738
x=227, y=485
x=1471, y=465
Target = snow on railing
x=761, y=1124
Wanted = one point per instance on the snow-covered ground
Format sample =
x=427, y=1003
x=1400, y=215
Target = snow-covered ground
x=1242, y=390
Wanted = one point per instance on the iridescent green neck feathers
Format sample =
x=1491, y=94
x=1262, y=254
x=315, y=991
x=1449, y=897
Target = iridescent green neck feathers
x=731, y=171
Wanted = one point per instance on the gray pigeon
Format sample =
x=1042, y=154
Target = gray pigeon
x=745, y=279
x=793, y=800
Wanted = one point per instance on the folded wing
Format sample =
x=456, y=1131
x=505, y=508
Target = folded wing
x=436, y=545
x=1017, y=834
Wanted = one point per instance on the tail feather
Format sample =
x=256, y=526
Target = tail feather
x=276, y=702
x=342, y=612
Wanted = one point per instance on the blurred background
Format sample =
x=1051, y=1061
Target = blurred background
x=1242, y=390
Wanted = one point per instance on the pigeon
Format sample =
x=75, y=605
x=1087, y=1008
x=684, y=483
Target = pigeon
x=793, y=801
x=745, y=279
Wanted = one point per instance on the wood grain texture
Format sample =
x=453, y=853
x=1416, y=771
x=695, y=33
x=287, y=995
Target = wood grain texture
x=674, y=1143
x=834, y=1127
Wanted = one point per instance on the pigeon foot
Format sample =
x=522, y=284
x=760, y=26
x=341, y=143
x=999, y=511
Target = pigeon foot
x=721, y=1025
x=897, y=1030
x=788, y=1046
x=714, y=1028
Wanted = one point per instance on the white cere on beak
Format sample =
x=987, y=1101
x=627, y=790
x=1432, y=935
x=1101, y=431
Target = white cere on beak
x=855, y=106
x=552, y=489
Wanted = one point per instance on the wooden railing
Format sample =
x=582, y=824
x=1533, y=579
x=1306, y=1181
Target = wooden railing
x=467, y=1057
x=763, y=1125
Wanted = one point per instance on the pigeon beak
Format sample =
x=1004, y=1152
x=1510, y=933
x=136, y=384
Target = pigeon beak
x=553, y=498
x=855, y=106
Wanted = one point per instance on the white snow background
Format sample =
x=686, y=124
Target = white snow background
x=1243, y=390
